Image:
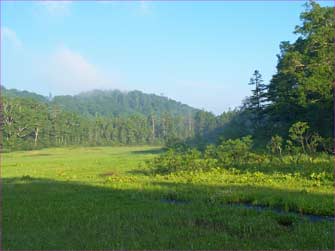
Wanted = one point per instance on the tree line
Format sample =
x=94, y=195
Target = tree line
x=30, y=124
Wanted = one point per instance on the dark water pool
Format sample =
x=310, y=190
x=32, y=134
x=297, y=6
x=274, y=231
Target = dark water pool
x=310, y=217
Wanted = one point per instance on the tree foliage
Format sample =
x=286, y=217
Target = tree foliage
x=28, y=124
x=302, y=88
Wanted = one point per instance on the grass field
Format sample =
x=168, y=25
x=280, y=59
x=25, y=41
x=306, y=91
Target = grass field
x=105, y=198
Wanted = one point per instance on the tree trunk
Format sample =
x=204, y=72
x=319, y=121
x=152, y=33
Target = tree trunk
x=36, y=136
x=153, y=127
x=189, y=126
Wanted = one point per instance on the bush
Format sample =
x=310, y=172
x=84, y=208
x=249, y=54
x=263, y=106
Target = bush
x=275, y=145
x=303, y=141
x=301, y=148
x=234, y=151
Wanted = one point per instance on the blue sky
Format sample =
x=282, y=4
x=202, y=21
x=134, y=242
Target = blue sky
x=199, y=53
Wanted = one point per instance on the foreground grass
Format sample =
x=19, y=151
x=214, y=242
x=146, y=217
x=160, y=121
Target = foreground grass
x=103, y=198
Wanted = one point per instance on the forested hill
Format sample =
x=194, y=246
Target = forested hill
x=116, y=103
x=31, y=121
x=14, y=93
x=109, y=103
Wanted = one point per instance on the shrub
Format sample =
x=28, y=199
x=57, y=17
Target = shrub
x=234, y=151
x=298, y=132
x=303, y=141
x=275, y=145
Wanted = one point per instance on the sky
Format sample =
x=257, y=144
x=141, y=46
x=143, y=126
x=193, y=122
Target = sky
x=201, y=53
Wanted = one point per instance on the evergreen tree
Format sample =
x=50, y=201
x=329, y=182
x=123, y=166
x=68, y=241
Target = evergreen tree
x=257, y=99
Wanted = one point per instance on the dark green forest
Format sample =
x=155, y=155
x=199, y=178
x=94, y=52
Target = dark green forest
x=299, y=93
x=95, y=118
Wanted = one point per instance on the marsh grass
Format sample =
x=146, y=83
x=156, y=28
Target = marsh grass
x=105, y=198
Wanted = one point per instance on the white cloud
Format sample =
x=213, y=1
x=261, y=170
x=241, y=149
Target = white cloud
x=10, y=36
x=70, y=72
x=56, y=8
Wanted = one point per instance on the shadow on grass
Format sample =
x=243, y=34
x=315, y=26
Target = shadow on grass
x=40, y=214
x=150, y=151
x=38, y=154
x=140, y=172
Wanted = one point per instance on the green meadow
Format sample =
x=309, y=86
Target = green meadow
x=99, y=198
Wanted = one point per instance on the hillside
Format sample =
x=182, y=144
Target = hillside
x=110, y=103
x=117, y=103
x=14, y=93
x=95, y=118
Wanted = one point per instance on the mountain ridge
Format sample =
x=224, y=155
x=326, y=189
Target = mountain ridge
x=109, y=103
